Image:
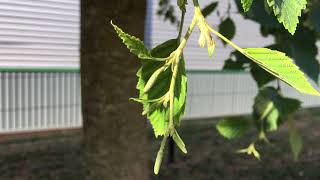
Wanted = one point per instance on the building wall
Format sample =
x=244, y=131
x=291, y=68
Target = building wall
x=39, y=34
x=39, y=65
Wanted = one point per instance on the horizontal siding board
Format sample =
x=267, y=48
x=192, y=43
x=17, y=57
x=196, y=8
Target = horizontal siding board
x=41, y=47
x=45, y=10
x=45, y=4
x=39, y=33
x=24, y=51
x=37, y=15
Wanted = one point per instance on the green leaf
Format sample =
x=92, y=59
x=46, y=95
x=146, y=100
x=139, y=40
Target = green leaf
x=157, y=113
x=135, y=45
x=261, y=76
x=271, y=109
x=236, y=61
x=295, y=140
x=246, y=4
x=157, y=163
x=233, y=127
x=303, y=50
x=179, y=142
x=227, y=28
x=258, y=14
x=288, y=12
x=164, y=49
x=209, y=9
x=282, y=67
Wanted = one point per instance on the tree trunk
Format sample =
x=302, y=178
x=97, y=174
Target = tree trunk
x=114, y=130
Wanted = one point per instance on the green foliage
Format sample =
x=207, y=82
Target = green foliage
x=288, y=12
x=209, y=9
x=233, y=127
x=271, y=109
x=246, y=4
x=156, y=98
x=303, y=50
x=227, y=28
x=134, y=44
x=282, y=67
x=261, y=76
x=162, y=81
x=295, y=140
x=177, y=139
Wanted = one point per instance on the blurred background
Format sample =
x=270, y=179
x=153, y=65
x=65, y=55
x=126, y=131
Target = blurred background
x=40, y=97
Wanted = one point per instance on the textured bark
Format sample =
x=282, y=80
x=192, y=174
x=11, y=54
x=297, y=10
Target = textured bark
x=114, y=130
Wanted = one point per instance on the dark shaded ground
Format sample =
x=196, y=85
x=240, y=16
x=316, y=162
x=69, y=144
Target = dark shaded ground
x=59, y=156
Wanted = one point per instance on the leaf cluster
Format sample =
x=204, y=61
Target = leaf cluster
x=162, y=79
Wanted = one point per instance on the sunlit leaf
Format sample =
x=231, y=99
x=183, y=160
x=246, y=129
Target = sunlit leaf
x=134, y=44
x=282, y=67
x=288, y=12
x=158, y=114
x=246, y=4
x=233, y=127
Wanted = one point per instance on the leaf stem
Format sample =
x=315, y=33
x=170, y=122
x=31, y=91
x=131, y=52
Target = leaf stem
x=226, y=40
x=181, y=24
x=174, y=65
x=171, y=98
x=195, y=3
x=183, y=42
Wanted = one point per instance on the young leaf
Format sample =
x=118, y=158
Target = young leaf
x=209, y=9
x=270, y=109
x=135, y=45
x=281, y=66
x=233, y=127
x=295, y=140
x=157, y=113
x=159, y=157
x=179, y=142
x=246, y=4
x=227, y=28
x=288, y=12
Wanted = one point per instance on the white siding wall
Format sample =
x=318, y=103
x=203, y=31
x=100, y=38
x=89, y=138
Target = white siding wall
x=39, y=101
x=39, y=33
x=37, y=36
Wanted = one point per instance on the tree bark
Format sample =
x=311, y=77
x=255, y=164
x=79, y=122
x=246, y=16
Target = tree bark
x=115, y=135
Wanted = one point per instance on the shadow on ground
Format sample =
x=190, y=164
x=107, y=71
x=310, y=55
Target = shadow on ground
x=59, y=156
